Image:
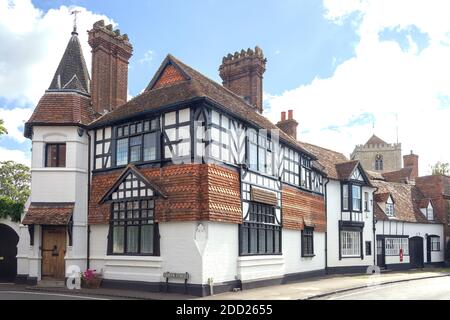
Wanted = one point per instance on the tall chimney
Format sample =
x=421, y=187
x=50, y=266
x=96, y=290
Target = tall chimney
x=289, y=125
x=242, y=73
x=111, y=52
x=412, y=161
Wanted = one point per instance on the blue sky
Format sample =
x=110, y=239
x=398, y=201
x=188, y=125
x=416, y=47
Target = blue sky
x=297, y=40
x=348, y=68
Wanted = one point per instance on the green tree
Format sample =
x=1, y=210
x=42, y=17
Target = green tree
x=14, y=181
x=441, y=168
x=2, y=128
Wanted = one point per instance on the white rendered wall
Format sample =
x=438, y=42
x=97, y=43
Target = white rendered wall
x=333, y=217
x=413, y=230
x=58, y=185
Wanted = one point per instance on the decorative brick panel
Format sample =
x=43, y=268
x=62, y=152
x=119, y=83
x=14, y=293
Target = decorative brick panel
x=300, y=208
x=194, y=192
x=170, y=76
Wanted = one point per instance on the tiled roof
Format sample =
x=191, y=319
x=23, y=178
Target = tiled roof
x=58, y=108
x=72, y=64
x=381, y=197
x=326, y=158
x=345, y=169
x=49, y=214
x=196, y=86
x=407, y=199
x=400, y=176
x=374, y=140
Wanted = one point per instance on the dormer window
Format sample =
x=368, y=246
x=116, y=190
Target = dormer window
x=430, y=212
x=390, y=207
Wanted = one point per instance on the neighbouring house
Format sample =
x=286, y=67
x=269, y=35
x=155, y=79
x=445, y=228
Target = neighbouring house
x=185, y=188
x=349, y=198
x=409, y=234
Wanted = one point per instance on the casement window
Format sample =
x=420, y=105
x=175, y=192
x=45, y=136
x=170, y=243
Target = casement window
x=435, y=243
x=260, y=152
x=430, y=212
x=177, y=135
x=368, y=248
x=305, y=175
x=137, y=142
x=351, y=197
x=260, y=234
x=308, y=242
x=350, y=244
x=393, y=246
x=133, y=228
x=55, y=155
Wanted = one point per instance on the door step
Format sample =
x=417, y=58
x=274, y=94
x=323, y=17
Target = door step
x=51, y=284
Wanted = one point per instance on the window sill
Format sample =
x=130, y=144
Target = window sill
x=308, y=255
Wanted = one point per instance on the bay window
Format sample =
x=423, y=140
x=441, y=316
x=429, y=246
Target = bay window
x=350, y=244
x=55, y=155
x=351, y=197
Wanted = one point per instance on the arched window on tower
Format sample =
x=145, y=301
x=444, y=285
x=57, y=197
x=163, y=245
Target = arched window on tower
x=379, y=162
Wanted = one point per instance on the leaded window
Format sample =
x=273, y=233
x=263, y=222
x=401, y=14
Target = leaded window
x=137, y=142
x=394, y=245
x=350, y=243
x=435, y=243
x=308, y=242
x=260, y=234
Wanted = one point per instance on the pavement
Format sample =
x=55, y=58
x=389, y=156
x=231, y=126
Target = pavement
x=312, y=288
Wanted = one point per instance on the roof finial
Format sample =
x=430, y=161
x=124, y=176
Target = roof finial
x=74, y=13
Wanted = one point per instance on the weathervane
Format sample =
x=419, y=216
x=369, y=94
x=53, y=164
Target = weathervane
x=74, y=13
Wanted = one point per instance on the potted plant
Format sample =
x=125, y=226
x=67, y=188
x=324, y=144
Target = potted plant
x=90, y=279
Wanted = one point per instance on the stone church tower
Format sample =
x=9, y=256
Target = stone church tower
x=378, y=155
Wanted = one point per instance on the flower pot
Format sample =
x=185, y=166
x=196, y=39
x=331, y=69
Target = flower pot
x=93, y=283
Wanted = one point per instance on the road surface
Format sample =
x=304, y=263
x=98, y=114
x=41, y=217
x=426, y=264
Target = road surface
x=425, y=289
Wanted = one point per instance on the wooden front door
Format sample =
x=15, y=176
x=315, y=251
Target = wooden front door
x=416, y=252
x=53, y=252
x=381, y=256
x=8, y=252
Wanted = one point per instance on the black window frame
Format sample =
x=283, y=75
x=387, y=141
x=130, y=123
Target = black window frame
x=368, y=246
x=263, y=221
x=57, y=145
x=350, y=186
x=127, y=222
x=131, y=130
x=432, y=249
x=307, y=242
x=264, y=145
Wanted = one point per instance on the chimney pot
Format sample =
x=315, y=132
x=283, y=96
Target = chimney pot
x=291, y=114
x=283, y=116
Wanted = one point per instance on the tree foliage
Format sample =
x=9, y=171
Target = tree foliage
x=2, y=128
x=10, y=208
x=441, y=168
x=14, y=181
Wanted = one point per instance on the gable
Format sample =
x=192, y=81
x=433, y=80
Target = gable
x=131, y=185
x=356, y=175
x=170, y=75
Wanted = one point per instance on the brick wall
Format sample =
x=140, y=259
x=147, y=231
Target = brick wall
x=194, y=192
x=299, y=206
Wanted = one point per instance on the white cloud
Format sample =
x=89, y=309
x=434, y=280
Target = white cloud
x=33, y=43
x=147, y=58
x=14, y=120
x=15, y=155
x=382, y=80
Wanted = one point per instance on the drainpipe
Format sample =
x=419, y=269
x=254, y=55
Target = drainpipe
x=326, y=227
x=88, y=201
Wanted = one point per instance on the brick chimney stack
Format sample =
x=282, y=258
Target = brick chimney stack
x=111, y=52
x=242, y=73
x=289, y=125
x=412, y=161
